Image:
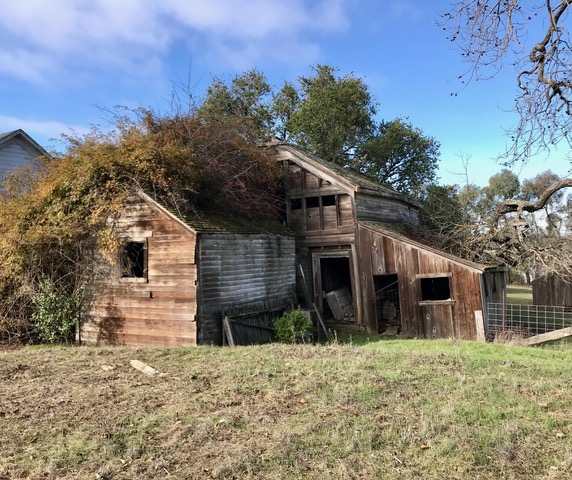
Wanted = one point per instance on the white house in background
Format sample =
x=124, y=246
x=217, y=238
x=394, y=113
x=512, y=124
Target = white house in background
x=17, y=149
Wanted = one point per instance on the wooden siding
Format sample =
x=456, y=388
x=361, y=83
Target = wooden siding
x=380, y=209
x=552, y=290
x=13, y=156
x=454, y=317
x=159, y=309
x=240, y=269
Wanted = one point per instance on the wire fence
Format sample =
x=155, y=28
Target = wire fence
x=510, y=321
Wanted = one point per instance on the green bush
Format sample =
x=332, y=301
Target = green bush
x=292, y=326
x=56, y=313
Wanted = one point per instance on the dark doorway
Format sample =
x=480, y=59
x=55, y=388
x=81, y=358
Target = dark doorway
x=336, y=287
x=387, y=303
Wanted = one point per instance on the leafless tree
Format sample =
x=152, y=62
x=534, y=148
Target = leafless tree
x=530, y=36
x=533, y=38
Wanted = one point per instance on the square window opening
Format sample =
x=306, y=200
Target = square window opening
x=328, y=200
x=435, y=288
x=132, y=260
x=312, y=202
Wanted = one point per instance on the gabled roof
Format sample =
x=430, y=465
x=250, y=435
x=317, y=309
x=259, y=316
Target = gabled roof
x=220, y=224
x=29, y=142
x=344, y=177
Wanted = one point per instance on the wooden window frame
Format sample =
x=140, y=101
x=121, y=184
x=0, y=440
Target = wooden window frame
x=135, y=279
x=428, y=301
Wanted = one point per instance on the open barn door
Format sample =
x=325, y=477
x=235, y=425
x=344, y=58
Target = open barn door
x=333, y=286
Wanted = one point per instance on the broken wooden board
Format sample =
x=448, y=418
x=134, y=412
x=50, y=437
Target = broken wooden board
x=309, y=302
x=143, y=367
x=548, y=337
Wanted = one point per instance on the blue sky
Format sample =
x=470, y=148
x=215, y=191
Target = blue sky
x=63, y=62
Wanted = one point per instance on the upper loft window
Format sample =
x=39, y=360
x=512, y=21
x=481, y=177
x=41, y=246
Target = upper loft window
x=312, y=202
x=132, y=260
x=328, y=200
x=435, y=288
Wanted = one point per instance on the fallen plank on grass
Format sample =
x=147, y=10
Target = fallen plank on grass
x=143, y=367
x=548, y=336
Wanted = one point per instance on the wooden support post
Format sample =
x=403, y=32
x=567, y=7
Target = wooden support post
x=321, y=320
x=309, y=302
x=228, y=330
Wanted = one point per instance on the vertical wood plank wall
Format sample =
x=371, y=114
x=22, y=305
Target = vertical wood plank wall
x=382, y=254
x=236, y=269
x=552, y=290
x=159, y=310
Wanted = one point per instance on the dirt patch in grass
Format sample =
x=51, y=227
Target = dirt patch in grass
x=392, y=409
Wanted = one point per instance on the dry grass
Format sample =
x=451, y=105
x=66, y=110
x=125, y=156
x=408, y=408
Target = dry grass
x=396, y=409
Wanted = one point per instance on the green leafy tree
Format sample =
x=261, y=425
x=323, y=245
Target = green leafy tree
x=334, y=117
x=248, y=97
x=284, y=103
x=400, y=155
x=502, y=186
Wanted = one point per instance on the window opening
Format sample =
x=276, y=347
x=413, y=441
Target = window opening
x=312, y=202
x=133, y=260
x=435, y=288
x=328, y=200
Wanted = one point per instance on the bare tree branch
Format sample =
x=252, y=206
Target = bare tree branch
x=493, y=33
x=520, y=206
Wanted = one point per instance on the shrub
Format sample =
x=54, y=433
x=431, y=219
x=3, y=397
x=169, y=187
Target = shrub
x=292, y=326
x=56, y=314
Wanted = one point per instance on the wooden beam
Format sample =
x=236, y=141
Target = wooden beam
x=309, y=302
x=548, y=336
x=228, y=330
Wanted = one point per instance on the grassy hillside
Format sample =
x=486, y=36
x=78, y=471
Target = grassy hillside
x=397, y=409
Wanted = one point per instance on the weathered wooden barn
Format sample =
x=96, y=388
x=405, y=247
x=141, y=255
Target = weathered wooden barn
x=365, y=276
x=17, y=149
x=174, y=276
x=552, y=289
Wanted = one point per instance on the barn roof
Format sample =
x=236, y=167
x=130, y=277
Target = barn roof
x=220, y=223
x=8, y=137
x=347, y=177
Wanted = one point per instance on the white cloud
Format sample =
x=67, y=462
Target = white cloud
x=43, y=40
